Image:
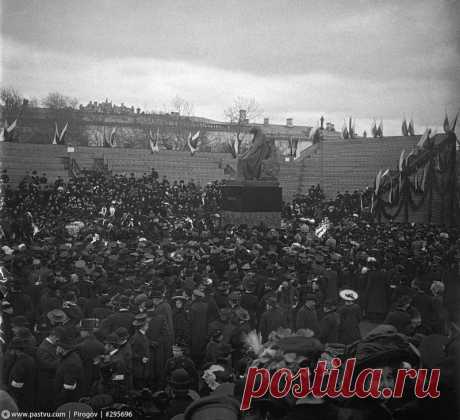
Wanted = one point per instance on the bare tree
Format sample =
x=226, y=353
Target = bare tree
x=56, y=100
x=182, y=106
x=183, y=110
x=249, y=105
x=11, y=100
x=240, y=112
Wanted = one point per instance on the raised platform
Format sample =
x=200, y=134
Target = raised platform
x=252, y=203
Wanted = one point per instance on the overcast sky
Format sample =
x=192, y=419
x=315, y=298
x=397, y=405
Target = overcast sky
x=298, y=58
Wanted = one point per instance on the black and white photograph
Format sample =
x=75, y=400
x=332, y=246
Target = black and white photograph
x=230, y=210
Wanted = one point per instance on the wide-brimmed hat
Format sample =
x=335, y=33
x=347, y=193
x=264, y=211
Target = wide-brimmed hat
x=348, y=295
x=57, y=316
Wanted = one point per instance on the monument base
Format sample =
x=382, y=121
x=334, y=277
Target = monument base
x=252, y=203
x=252, y=218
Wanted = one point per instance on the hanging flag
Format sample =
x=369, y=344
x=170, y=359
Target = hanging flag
x=314, y=133
x=454, y=123
x=401, y=161
x=411, y=153
x=192, y=142
x=446, y=124
x=378, y=178
x=411, y=128
x=374, y=130
x=404, y=129
x=424, y=139
x=437, y=161
x=345, y=133
x=112, y=142
x=380, y=129
x=236, y=146
x=63, y=133
x=295, y=145
x=290, y=147
x=56, y=134
x=425, y=176
x=153, y=141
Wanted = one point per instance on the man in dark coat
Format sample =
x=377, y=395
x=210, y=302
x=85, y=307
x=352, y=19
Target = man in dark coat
x=180, y=361
x=377, y=292
x=198, y=326
x=141, y=352
x=350, y=317
x=122, y=318
x=19, y=374
x=399, y=317
x=126, y=353
x=329, y=323
x=89, y=349
x=423, y=303
x=271, y=319
x=182, y=396
x=307, y=317
x=181, y=320
x=157, y=334
x=114, y=369
x=47, y=363
x=249, y=301
x=69, y=379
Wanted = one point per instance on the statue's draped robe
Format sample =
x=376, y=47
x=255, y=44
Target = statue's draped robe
x=250, y=163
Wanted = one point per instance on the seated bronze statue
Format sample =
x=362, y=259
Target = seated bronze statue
x=260, y=161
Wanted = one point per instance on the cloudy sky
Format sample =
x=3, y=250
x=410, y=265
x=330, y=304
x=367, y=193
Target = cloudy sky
x=298, y=58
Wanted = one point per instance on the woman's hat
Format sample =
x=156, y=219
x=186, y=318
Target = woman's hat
x=348, y=295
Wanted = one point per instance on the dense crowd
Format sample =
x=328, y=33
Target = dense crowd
x=130, y=292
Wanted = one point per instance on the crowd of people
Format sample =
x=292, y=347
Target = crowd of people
x=130, y=292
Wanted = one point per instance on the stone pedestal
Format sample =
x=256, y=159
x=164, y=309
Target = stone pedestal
x=252, y=203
